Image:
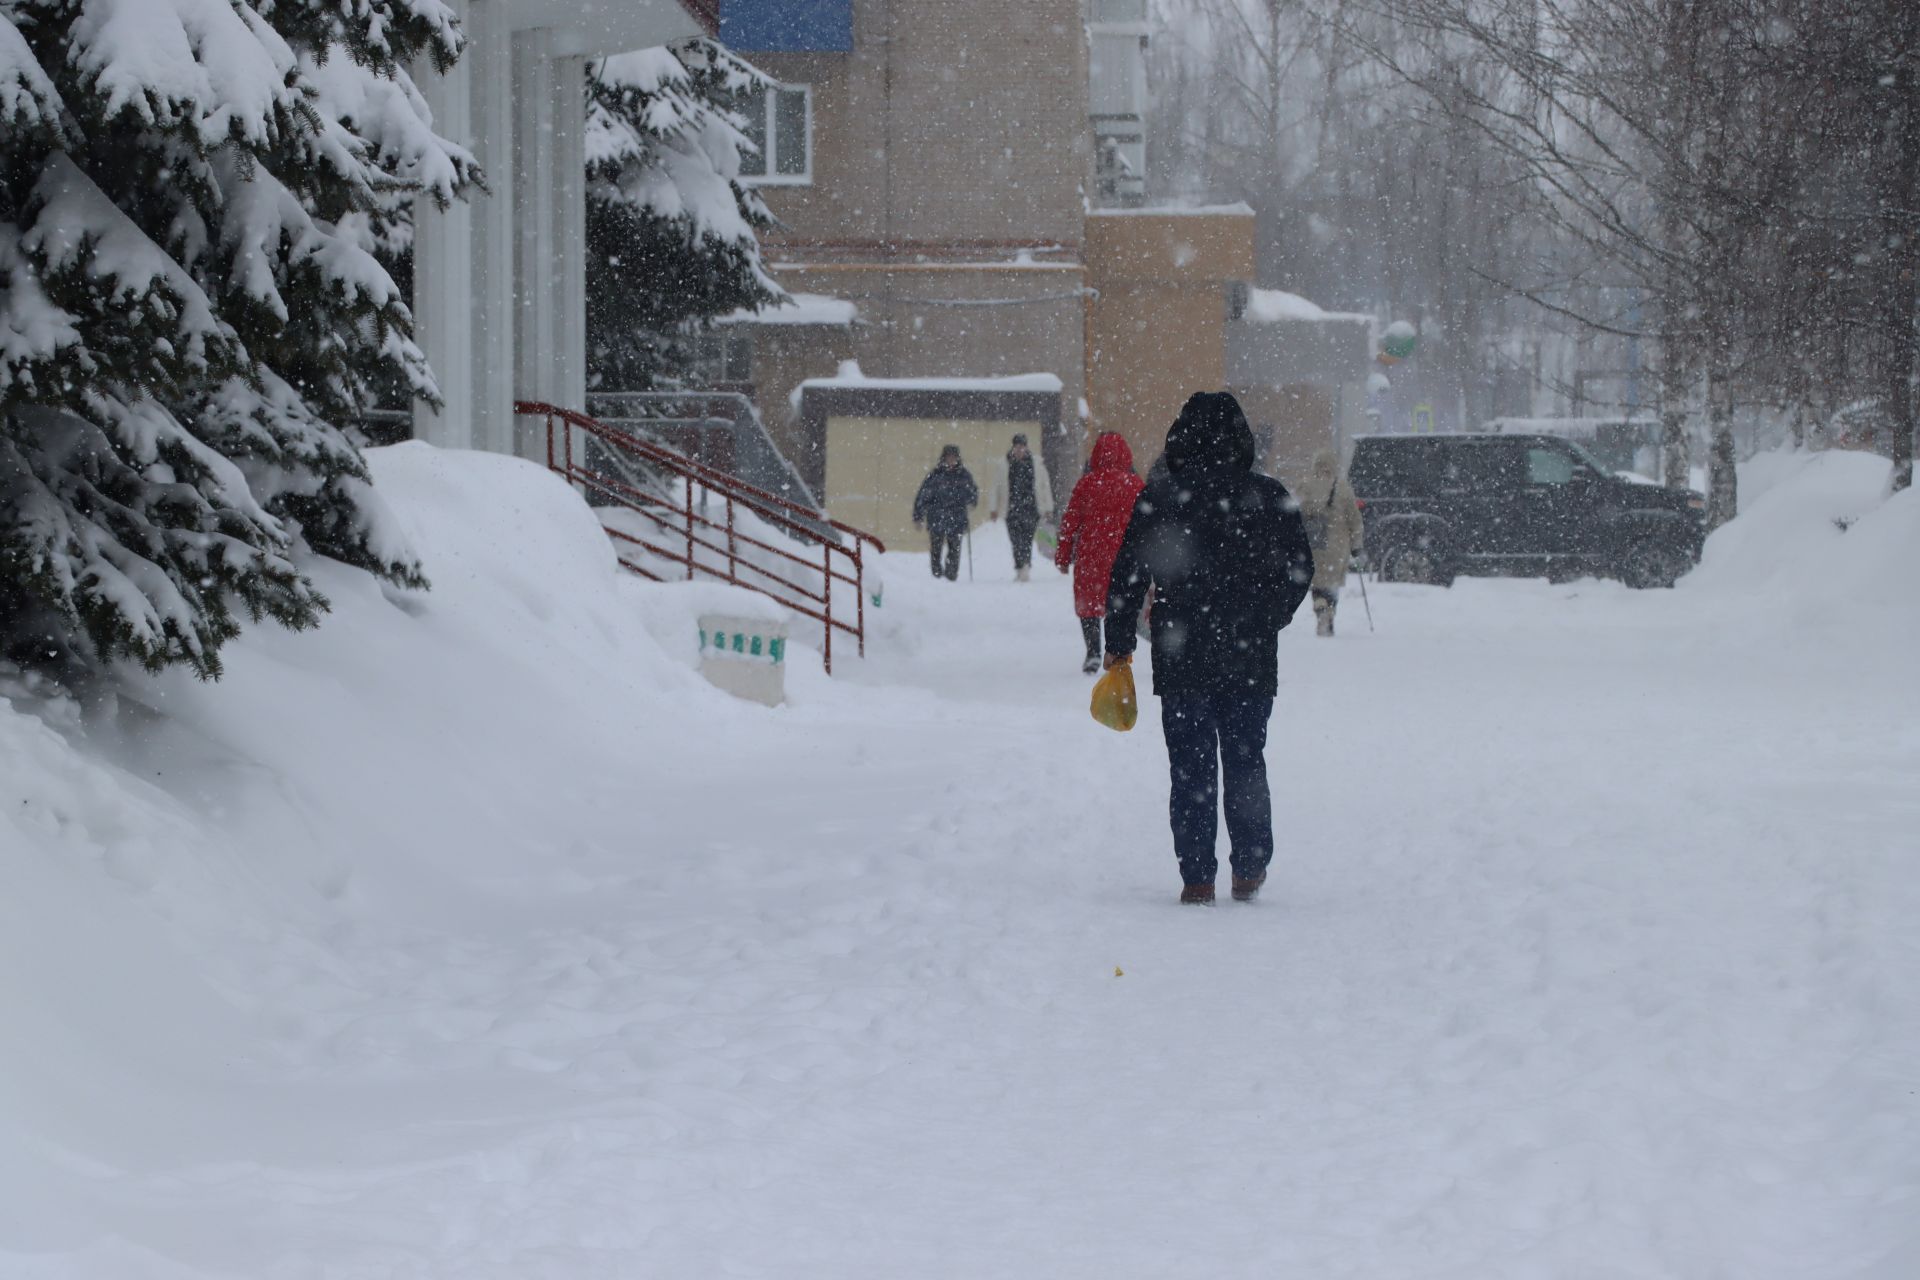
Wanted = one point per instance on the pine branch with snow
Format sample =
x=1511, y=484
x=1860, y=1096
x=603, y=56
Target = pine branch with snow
x=672, y=231
x=191, y=196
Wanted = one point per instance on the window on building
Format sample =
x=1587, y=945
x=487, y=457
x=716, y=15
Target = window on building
x=1117, y=76
x=780, y=123
x=723, y=355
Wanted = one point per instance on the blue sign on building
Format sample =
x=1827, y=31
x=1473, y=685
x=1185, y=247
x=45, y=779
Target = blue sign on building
x=787, y=26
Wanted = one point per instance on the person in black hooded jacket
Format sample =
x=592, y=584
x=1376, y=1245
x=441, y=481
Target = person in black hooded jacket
x=1226, y=554
x=940, y=507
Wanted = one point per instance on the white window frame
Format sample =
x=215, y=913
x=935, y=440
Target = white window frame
x=770, y=156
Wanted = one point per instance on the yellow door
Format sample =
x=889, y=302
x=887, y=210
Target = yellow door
x=875, y=466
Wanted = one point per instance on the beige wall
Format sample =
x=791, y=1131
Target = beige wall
x=951, y=121
x=784, y=356
x=951, y=150
x=875, y=466
x=1156, y=330
x=959, y=321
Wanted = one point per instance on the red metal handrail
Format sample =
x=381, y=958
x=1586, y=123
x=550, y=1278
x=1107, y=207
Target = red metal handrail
x=676, y=517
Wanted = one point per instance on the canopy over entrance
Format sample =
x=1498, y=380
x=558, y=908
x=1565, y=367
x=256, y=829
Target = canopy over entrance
x=500, y=281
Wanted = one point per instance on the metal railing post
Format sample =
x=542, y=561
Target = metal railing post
x=860, y=597
x=733, y=554
x=689, y=528
x=826, y=591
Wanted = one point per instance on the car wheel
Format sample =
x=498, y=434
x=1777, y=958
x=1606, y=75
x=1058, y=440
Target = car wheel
x=1414, y=562
x=1651, y=564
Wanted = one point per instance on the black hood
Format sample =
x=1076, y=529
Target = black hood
x=1210, y=435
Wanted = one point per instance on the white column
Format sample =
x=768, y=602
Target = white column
x=489, y=57
x=533, y=229
x=443, y=273
x=549, y=228
x=568, y=160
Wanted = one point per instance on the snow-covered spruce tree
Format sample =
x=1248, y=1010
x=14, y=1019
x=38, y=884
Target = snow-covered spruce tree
x=189, y=193
x=671, y=230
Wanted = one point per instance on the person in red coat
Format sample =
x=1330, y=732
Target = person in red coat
x=1091, y=530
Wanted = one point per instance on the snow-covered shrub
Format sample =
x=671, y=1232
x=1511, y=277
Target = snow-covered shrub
x=672, y=232
x=190, y=193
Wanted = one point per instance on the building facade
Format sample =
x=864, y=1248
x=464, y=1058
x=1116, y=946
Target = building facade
x=966, y=178
x=929, y=162
x=1156, y=324
x=955, y=183
x=1117, y=36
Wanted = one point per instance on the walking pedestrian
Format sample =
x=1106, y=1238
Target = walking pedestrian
x=1334, y=531
x=941, y=509
x=1091, y=530
x=1226, y=554
x=1022, y=489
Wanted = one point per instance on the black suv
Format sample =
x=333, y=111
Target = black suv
x=1517, y=505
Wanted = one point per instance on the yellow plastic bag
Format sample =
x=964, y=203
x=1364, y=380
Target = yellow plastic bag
x=1114, y=702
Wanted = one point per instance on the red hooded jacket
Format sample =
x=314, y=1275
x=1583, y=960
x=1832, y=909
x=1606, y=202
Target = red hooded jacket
x=1096, y=518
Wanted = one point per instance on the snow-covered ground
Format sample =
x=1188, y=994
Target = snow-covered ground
x=473, y=936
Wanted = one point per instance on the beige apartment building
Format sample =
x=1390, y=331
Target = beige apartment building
x=957, y=186
x=930, y=180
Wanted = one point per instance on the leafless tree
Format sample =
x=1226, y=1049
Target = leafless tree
x=1734, y=184
x=1366, y=196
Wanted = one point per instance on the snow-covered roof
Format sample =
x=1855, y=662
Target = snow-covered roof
x=1238, y=209
x=1268, y=306
x=850, y=376
x=1569, y=426
x=804, y=309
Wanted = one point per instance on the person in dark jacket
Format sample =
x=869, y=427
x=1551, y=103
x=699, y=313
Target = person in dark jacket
x=1227, y=556
x=941, y=508
x=1022, y=488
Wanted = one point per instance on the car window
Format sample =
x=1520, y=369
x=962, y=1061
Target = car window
x=1392, y=468
x=1587, y=456
x=1549, y=466
x=1477, y=467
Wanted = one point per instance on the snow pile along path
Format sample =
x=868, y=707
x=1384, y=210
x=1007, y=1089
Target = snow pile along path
x=473, y=936
x=1819, y=547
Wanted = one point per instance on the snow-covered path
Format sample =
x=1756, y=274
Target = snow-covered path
x=1588, y=952
x=1585, y=954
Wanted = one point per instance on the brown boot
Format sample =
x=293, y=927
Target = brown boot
x=1247, y=890
x=1197, y=895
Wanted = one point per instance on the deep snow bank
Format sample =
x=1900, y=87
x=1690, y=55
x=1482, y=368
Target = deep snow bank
x=219, y=904
x=474, y=937
x=1818, y=548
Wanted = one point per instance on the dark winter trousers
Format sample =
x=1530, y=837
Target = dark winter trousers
x=1208, y=736
x=951, y=541
x=1090, y=632
x=1020, y=532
